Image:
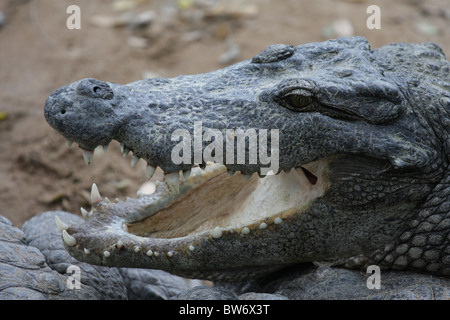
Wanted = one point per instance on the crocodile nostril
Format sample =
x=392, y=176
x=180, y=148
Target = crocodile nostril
x=94, y=88
x=63, y=111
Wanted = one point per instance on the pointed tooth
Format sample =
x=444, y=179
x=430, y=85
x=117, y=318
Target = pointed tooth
x=173, y=181
x=186, y=174
x=95, y=195
x=134, y=160
x=88, y=156
x=105, y=148
x=122, y=147
x=61, y=225
x=86, y=251
x=68, y=239
x=84, y=212
x=125, y=152
x=69, y=143
x=150, y=171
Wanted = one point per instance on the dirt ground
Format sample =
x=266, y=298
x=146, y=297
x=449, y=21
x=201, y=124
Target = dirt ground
x=126, y=40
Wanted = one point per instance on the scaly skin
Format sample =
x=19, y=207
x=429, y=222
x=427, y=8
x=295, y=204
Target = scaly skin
x=366, y=130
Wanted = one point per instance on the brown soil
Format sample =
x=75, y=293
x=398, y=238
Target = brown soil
x=39, y=54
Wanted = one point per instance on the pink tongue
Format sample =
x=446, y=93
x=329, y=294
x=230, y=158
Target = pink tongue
x=311, y=177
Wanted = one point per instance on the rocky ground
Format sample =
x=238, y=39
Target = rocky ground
x=127, y=40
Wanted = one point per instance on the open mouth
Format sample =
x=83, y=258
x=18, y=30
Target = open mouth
x=213, y=199
x=192, y=214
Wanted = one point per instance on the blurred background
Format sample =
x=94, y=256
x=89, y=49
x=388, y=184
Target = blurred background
x=127, y=40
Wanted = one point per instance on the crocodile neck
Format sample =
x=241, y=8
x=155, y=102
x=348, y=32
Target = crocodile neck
x=424, y=245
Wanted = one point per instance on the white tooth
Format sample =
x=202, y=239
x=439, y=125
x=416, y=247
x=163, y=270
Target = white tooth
x=278, y=220
x=95, y=195
x=69, y=143
x=61, y=225
x=170, y=254
x=107, y=200
x=105, y=148
x=173, y=181
x=120, y=244
x=134, y=160
x=186, y=174
x=150, y=171
x=122, y=147
x=88, y=156
x=137, y=249
x=68, y=239
x=156, y=254
x=191, y=248
x=126, y=151
x=84, y=212
x=217, y=232
x=245, y=230
x=86, y=251
x=106, y=253
x=149, y=253
x=263, y=225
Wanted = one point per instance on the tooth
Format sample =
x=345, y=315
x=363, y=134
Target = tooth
x=69, y=143
x=120, y=244
x=134, y=160
x=86, y=251
x=122, y=147
x=125, y=152
x=263, y=225
x=231, y=173
x=245, y=230
x=105, y=148
x=173, y=181
x=246, y=177
x=61, y=225
x=68, y=239
x=106, y=253
x=278, y=220
x=186, y=174
x=149, y=253
x=150, y=171
x=217, y=232
x=88, y=156
x=95, y=195
x=84, y=212
x=191, y=248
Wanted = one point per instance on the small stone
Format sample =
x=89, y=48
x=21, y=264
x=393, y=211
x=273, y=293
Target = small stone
x=137, y=42
x=427, y=29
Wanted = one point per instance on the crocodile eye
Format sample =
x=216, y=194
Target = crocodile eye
x=297, y=100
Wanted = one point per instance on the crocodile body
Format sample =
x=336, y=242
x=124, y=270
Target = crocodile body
x=345, y=160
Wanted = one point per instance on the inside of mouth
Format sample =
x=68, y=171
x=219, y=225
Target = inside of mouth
x=231, y=202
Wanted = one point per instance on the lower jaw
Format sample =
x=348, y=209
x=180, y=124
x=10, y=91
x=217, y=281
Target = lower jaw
x=198, y=225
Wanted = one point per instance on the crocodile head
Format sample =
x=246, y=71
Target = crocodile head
x=319, y=152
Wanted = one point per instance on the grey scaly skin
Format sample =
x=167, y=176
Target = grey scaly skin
x=363, y=172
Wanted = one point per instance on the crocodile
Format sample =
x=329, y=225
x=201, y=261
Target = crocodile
x=330, y=152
